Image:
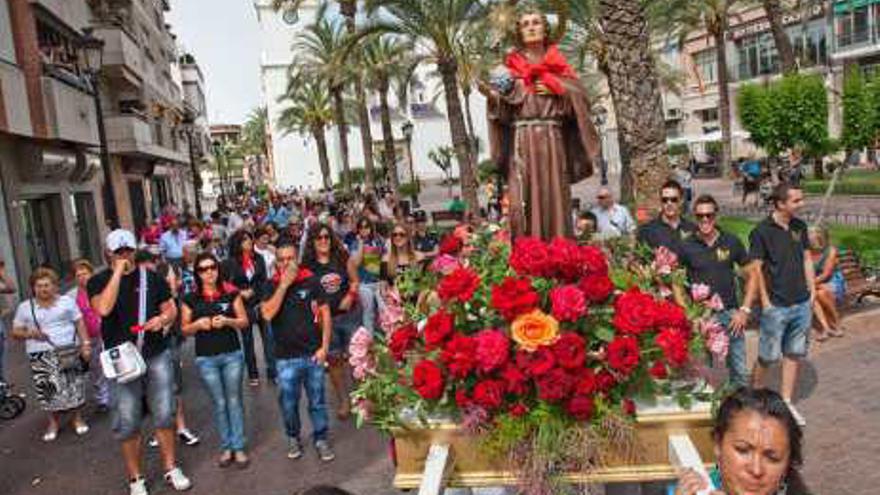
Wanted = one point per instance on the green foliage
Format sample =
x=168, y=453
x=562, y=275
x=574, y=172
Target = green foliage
x=442, y=157
x=859, y=111
x=409, y=188
x=713, y=148
x=679, y=149
x=755, y=106
x=486, y=171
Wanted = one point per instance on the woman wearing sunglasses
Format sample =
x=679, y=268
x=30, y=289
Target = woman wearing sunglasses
x=366, y=256
x=400, y=256
x=326, y=257
x=215, y=313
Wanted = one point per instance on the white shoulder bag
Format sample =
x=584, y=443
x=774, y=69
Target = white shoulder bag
x=124, y=363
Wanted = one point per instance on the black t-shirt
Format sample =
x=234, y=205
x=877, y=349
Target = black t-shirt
x=782, y=253
x=333, y=279
x=425, y=243
x=715, y=265
x=294, y=330
x=116, y=326
x=658, y=233
x=216, y=341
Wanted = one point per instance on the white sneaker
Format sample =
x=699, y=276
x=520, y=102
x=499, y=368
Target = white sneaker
x=798, y=418
x=138, y=487
x=178, y=480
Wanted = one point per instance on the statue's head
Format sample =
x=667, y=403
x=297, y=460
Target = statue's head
x=532, y=28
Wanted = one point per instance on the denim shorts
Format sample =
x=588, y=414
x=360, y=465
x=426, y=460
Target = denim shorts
x=785, y=331
x=344, y=326
x=153, y=391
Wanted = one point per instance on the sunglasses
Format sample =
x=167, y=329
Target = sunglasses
x=602, y=197
x=670, y=199
x=398, y=234
x=322, y=237
x=704, y=216
x=206, y=268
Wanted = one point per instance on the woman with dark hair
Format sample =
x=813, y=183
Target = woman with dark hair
x=758, y=445
x=326, y=257
x=246, y=270
x=214, y=314
x=366, y=257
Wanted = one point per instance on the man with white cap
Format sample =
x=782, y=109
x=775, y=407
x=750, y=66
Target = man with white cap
x=114, y=294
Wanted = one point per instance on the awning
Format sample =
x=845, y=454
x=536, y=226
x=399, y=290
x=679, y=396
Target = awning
x=705, y=138
x=844, y=6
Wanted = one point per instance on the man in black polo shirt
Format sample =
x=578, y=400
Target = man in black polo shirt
x=782, y=277
x=296, y=306
x=424, y=242
x=711, y=257
x=669, y=229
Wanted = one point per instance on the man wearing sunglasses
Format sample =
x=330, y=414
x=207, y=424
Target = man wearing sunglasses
x=711, y=258
x=669, y=229
x=612, y=218
x=114, y=296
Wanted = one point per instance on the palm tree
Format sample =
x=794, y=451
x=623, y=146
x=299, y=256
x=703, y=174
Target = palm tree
x=773, y=9
x=475, y=56
x=320, y=51
x=310, y=112
x=254, y=138
x=435, y=26
x=635, y=91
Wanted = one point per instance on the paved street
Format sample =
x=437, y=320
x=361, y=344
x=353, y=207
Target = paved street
x=840, y=400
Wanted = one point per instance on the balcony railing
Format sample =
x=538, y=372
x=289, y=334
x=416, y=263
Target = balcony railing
x=70, y=109
x=133, y=134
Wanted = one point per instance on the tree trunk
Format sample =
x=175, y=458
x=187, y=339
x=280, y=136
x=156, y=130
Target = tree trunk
x=388, y=138
x=472, y=137
x=448, y=71
x=342, y=129
x=321, y=139
x=773, y=9
x=348, y=9
x=723, y=101
x=635, y=91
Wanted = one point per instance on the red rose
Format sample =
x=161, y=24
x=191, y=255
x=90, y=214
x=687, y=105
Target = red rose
x=565, y=254
x=605, y=381
x=489, y=394
x=570, y=351
x=634, y=312
x=669, y=314
x=493, y=350
x=459, y=285
x=402, y=340
x=597, y=288
x=659, y=371
x=623, y=354
x=459, y=355
x=580, y=407
x=513, y=297
x=530, y=257
x=674, y=345
x=593, y=260
x=568, y=302
x=554, y=386
x=428, y=379
x=515, y=379
x=451, y=245
x=519, y=410
x=585, y=382
x=628, y=407
x=462, y=400
x=438, y=328
x=536, y=363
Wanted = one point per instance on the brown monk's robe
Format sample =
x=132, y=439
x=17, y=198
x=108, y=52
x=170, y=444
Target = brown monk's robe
x=543, y=144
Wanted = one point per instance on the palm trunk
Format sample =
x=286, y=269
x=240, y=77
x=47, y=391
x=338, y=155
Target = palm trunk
x=448, y=69
x=773, y=9
x=723, y=101
x=388, y=138
x=635, y=91
x=321, y=138
x=348, y=9
x=472, y=137
x=342, y=129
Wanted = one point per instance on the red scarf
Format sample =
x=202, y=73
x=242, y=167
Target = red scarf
x=213, y=296
x=303, y=274
x=548, y=72
x=247, y=262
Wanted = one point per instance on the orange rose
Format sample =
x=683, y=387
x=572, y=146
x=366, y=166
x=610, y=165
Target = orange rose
x=535, y=329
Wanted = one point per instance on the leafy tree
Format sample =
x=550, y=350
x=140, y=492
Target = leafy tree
x=859, y=111
x=442, y=157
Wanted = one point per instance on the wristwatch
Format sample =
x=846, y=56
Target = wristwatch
x=745, y=309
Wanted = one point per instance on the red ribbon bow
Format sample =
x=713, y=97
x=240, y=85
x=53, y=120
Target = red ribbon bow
x=548, y=72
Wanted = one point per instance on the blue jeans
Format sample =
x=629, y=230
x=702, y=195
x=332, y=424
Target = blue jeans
x=736, y=354
x=293, y=375
x=785, y=331
x=371, y=303
x=127, y=398
x=222, y=375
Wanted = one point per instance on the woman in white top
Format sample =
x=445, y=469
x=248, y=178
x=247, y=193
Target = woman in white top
x=47, y=323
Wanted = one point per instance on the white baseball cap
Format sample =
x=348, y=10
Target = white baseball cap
x=120, y=238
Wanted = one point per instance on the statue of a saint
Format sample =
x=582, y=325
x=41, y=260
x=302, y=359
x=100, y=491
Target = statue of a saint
x=541, y=134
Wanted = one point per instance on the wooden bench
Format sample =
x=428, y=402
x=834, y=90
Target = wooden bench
x=858, y=286
x=447, y=218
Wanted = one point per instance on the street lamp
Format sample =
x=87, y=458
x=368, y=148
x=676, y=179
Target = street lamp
x=93, y=51
x=407, y=130
x=600, y=116
x=189, y=127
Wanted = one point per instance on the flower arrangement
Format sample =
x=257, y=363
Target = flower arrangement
x=533, y=344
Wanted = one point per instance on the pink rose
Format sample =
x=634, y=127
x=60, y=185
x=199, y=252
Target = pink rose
x=715, y=303
x=665, y=261
x=568, y=302
x=445, y=264
x=700, y=292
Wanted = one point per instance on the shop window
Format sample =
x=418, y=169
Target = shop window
x=757, y=56
x=85, y=218
x=42, y=225
x=706, y=66
x=852, y=26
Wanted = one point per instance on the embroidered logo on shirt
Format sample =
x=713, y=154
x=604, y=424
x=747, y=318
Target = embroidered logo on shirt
x=722, y=254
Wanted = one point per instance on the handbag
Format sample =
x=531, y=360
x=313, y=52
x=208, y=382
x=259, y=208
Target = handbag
x=124, y=362
x=69, y=355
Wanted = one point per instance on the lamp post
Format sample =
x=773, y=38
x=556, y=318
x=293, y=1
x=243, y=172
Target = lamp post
x=189, y=127
x=407, y=130
x=93, y=50
x=600, y=115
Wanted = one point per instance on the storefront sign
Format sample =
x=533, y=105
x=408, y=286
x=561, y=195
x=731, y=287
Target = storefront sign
x=762, y=25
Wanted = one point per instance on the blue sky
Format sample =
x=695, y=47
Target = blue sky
x=223, y=35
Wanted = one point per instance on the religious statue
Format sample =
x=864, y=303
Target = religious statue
x=541, y=134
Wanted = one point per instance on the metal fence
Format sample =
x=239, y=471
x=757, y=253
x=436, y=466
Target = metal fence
x=854, y=220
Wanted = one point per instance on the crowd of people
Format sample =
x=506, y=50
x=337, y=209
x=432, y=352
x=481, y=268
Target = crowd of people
x=301, y=274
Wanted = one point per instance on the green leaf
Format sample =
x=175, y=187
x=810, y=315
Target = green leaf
x=604, y=333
